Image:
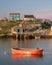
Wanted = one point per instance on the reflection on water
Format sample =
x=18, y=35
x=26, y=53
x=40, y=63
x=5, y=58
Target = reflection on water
x=7, y=59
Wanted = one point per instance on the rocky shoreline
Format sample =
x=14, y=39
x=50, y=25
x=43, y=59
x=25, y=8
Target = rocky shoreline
x=22, y=37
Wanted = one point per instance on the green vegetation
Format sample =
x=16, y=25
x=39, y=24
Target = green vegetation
x=45, y=25
x=7, y=25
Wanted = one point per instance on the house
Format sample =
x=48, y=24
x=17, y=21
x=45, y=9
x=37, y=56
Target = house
x=29, y=17
x=14, y=16
x=4, y=19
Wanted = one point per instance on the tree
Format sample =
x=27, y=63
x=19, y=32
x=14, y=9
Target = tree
x=45, y=25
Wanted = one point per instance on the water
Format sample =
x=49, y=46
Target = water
x=7, y=59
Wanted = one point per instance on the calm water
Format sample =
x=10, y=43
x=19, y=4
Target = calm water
x=7, y=59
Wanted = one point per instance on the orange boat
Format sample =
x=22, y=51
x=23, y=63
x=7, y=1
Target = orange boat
x=27, y=52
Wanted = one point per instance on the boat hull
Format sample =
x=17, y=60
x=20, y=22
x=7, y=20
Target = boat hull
x=27, y=52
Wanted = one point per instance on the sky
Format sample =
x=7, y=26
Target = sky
x=38, y=8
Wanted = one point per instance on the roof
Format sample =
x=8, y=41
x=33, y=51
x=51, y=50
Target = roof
x=21, y=23
x=4, y=18
x=29, y=16
x=14, y=13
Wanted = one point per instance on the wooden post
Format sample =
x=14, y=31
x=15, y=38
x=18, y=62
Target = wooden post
x=16, y=36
